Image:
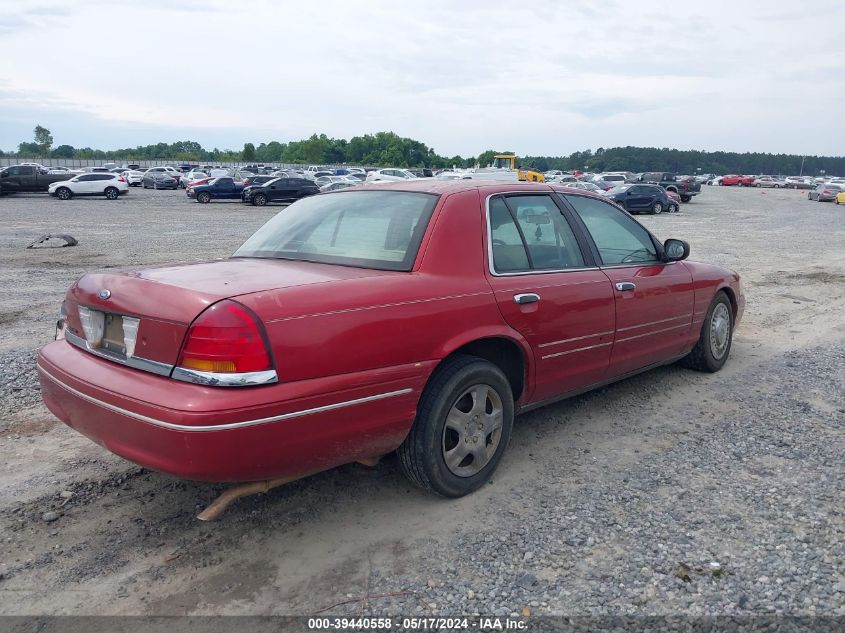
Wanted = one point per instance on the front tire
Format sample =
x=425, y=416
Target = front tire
x=204, y=197
x=63, y=193
x=463, y=426
x=259, y=200
x=714, y=343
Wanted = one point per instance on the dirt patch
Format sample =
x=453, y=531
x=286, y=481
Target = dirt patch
x=29, y=428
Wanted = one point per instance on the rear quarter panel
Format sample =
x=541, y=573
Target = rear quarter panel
x=392, y=319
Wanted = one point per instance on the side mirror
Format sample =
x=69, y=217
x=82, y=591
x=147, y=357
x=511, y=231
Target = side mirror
x=675, y=250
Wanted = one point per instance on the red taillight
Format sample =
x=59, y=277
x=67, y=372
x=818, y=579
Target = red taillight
x=121, y=179
x=226, y=338
x=826, y=192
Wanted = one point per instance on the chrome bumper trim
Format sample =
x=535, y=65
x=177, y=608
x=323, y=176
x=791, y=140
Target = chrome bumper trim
x=136, y=362
x=211, y=379
x=221, y=427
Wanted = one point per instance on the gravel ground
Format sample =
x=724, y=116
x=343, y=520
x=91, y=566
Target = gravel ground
x=670, y=493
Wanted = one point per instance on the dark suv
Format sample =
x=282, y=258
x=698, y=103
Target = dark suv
x=279, y=190
x=637, y=198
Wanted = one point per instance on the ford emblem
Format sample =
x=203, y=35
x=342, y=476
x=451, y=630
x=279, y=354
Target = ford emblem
x=104, y=294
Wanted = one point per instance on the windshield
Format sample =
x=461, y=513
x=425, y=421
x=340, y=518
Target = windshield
x=368, y=229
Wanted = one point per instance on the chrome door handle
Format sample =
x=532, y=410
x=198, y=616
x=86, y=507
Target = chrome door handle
x=528, y=297
x=622, y=286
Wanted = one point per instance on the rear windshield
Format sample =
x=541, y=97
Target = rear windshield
x=367, y=229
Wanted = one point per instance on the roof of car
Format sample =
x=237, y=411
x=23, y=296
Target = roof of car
x=486, y=187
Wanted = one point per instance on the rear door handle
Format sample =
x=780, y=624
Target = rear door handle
x=528, y=297
x=622, y=286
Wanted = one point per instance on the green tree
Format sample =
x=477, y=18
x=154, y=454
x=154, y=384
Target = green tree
x=63, y=151
x=29, y=150
x=43, y=139
x=249, y=152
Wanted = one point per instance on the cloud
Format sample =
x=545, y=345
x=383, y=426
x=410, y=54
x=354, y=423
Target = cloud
x=544, y=78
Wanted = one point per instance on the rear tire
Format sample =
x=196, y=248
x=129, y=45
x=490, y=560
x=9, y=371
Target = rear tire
x=462, y=428
x=714, y=343
x=111, y=193
x=672, y=208
x=656, y=209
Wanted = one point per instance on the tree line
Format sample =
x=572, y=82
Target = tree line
x=390, y=149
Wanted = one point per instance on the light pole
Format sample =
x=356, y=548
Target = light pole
x=802, y=166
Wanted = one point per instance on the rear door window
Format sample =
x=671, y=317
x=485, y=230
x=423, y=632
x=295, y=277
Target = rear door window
x=530, y=233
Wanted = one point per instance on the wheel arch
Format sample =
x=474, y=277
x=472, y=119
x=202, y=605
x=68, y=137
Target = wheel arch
x=731, y=297
x=508, y=353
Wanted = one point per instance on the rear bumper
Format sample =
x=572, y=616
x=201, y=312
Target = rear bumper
x=214, y=434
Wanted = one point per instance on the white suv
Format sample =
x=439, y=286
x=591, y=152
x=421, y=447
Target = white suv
x=112, y=186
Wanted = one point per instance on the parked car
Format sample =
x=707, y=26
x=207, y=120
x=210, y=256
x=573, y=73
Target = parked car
x=824, y=193
x=279, y=190
x=637, y=198
x=294, y=356
x=604, y=185
x=226, y=188
x=28, y=179
x=257, y=180
x=676, y=198
x=166, y=169
x=798, y=182
x=389, y=175
x=336, y=186
x=767, y=181
x=586, y=186
x=112, y=186
x=134, y=177
x=611, y=180
x=684, y=186
x=191, y=177
x=159, y=180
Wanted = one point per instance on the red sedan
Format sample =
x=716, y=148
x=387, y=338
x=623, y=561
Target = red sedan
x=416, y=317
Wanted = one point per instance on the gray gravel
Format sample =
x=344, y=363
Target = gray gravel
x=743, y=514
x=670, y=493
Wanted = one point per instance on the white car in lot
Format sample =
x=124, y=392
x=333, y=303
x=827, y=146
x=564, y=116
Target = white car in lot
x=112, y=186
x=133, y=177
x=186, y=179
x=390, y=175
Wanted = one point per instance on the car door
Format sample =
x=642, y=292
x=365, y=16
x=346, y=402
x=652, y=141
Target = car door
x=84, y=184
x=12, y=179
x=654, y=299
x=548, y=287
x=636, y=198
x=223, y=187
x=279, y=190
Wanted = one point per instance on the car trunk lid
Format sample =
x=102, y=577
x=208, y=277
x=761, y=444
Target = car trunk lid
x=156, y=306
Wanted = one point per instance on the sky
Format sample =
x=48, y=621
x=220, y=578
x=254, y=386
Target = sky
x=538, y=78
